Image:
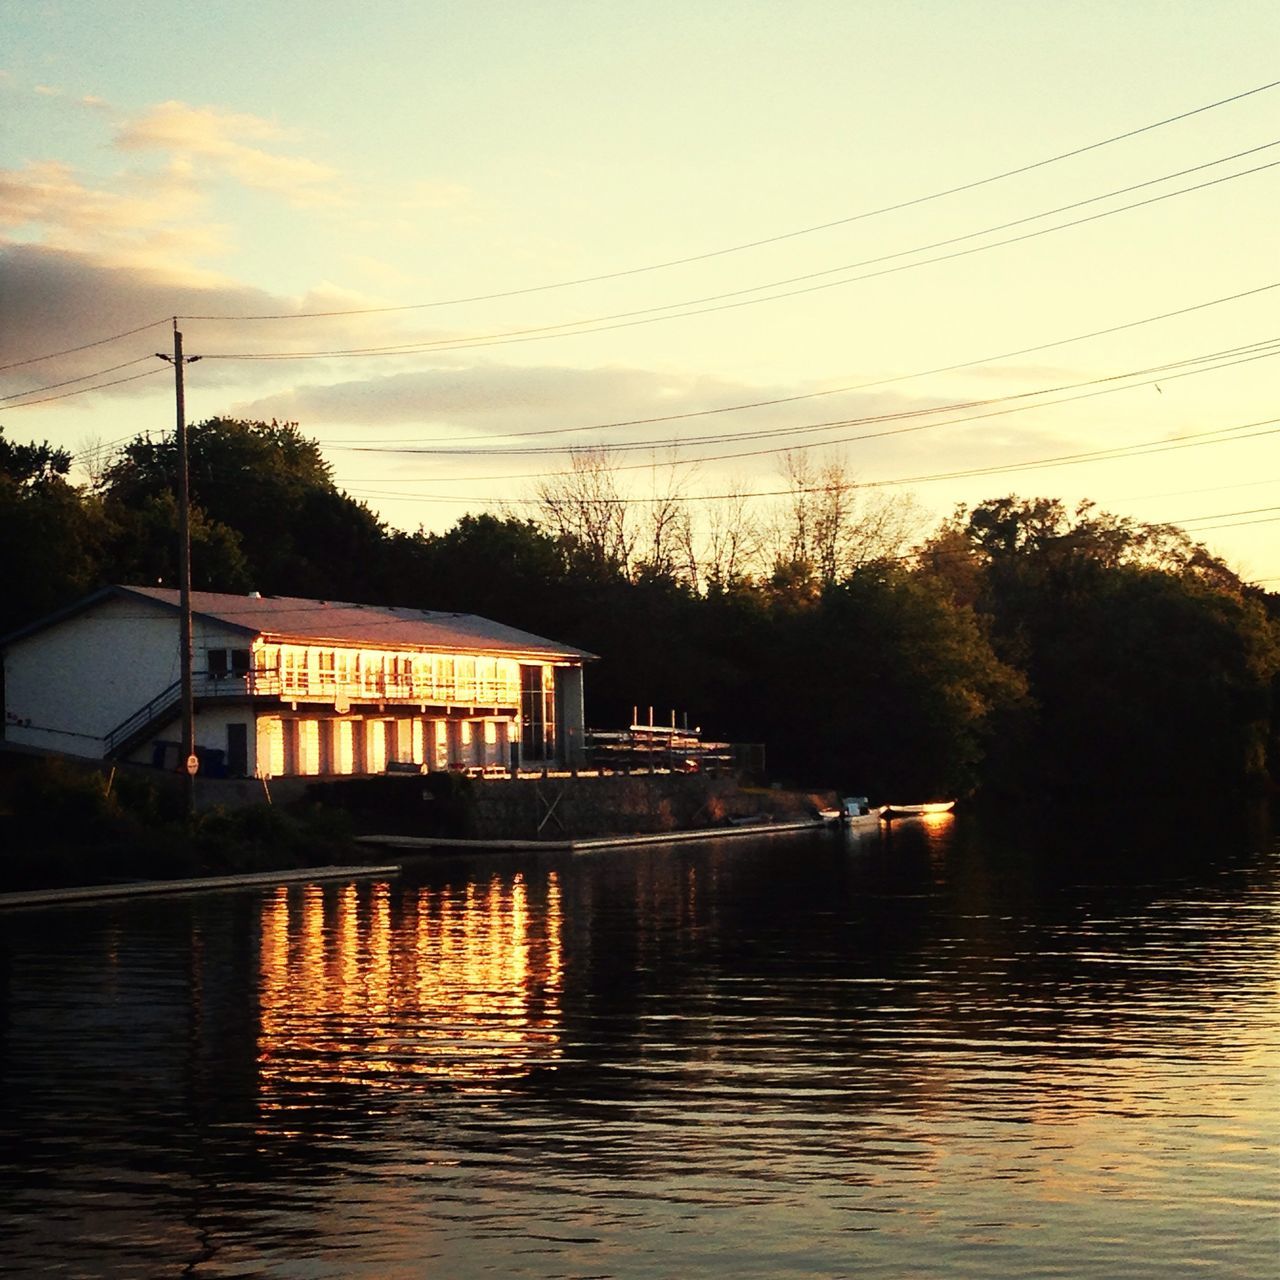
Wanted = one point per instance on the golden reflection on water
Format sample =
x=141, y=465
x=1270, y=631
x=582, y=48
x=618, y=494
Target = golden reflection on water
x=359, y=986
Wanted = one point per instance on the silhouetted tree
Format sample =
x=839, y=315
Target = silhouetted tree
x=260, y=489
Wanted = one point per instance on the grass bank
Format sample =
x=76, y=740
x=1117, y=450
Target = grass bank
x=65, y=824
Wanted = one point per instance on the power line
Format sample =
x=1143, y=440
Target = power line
x=1217, y=488
x=84, y=377
x=647, y=315
x=1263, y=348
x=1160, y=373
x=1119, y=452
x=84, y=346
x=755, y=244
x=102, y=386
x=862, y=386
x=1223, y=515
x=1239, y=524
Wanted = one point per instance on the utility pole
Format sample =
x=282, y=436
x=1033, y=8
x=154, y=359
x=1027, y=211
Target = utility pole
x=185, y=655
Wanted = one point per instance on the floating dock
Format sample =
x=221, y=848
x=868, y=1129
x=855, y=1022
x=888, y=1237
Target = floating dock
x=585, y=844
x=204, y=884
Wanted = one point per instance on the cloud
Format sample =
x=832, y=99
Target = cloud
x=497, y=398
x=46, y=198
x=465, y=403
x=55, y=298
x=223, y=141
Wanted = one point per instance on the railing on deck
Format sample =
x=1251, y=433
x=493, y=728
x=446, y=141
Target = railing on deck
x=372, y=685
x=656, y=748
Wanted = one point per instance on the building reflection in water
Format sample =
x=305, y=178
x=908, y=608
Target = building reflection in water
x=373, y=984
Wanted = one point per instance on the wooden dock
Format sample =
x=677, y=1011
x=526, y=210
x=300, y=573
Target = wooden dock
x=201, y=884
x=585, y=844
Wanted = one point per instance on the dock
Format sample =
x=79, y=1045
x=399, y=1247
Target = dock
x=585, y=844
x=202, y=884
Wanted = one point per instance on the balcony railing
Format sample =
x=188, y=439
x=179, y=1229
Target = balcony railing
x=372, y=686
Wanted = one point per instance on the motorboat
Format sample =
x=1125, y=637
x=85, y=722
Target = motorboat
x=856, y=811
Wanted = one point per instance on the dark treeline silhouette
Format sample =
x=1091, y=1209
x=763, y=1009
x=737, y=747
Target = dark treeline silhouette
x=1021, y=647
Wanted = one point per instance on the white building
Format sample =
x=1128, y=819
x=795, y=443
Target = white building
x=287, y=686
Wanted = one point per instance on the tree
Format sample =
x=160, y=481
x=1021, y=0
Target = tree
x=52, y=539
x=268, y=485
x=667, y=549
x=1149, y=667
x=585, y=510
x=890, y=687
x=835, y=526
x=734, y=540
x=497, y=566
x=27, y=465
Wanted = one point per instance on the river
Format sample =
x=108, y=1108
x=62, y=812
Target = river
x=936, y=1053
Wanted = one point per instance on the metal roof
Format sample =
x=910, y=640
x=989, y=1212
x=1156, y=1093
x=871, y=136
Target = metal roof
x=339, y=622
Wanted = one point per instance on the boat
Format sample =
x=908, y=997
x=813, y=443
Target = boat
x=891, y=811
x=856, y=811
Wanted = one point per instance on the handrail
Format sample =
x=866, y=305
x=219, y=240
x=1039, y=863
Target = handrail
x=161, y=703
x=486, y=693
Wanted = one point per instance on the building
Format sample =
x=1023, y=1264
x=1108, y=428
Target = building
x=288, y=686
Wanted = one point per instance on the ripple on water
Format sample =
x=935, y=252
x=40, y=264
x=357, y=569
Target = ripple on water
x=766, y=1061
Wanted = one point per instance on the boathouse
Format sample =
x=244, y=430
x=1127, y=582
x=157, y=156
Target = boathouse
x=286, y=687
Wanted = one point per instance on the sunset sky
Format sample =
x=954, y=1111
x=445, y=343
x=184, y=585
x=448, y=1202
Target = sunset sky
x=491, y=227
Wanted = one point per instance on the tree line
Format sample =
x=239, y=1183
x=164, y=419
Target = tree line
x=1020, y=647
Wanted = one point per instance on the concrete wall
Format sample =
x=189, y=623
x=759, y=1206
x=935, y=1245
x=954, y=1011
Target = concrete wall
x=625, y=805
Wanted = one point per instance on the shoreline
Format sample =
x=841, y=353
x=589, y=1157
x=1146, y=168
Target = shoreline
x=416, y=847
x=583, y=844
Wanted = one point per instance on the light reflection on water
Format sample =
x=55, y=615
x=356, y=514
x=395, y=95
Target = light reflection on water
x=923, y=1053
x=462, y=986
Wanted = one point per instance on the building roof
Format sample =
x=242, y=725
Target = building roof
x=333, y=621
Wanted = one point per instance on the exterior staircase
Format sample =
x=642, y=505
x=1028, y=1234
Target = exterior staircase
x=145, y=721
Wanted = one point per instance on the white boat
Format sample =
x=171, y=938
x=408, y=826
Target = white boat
x=855, y=811
x=890, y=811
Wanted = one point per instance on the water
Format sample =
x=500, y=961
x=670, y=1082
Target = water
x=940, y=1054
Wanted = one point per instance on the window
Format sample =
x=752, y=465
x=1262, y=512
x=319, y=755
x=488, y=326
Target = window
x=293, y=669
x=466, y=668
x=537, y=711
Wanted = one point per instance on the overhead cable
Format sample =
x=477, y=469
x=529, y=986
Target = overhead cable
x=832, y=391
x=84, y=346
x=84, y=377
x=1265, y=347
x=755, y=244
x=647, y=315
x=102, y=386
x=1218, y=435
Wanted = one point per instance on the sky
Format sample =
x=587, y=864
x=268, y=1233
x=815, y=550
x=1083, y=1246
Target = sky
x=963, y=249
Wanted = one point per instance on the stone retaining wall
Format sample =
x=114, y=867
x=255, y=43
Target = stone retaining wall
x=555, y=808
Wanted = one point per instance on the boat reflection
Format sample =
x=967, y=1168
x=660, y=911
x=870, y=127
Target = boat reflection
x=363, y=985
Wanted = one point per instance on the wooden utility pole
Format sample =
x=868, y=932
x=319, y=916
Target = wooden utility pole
x=185, y=648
